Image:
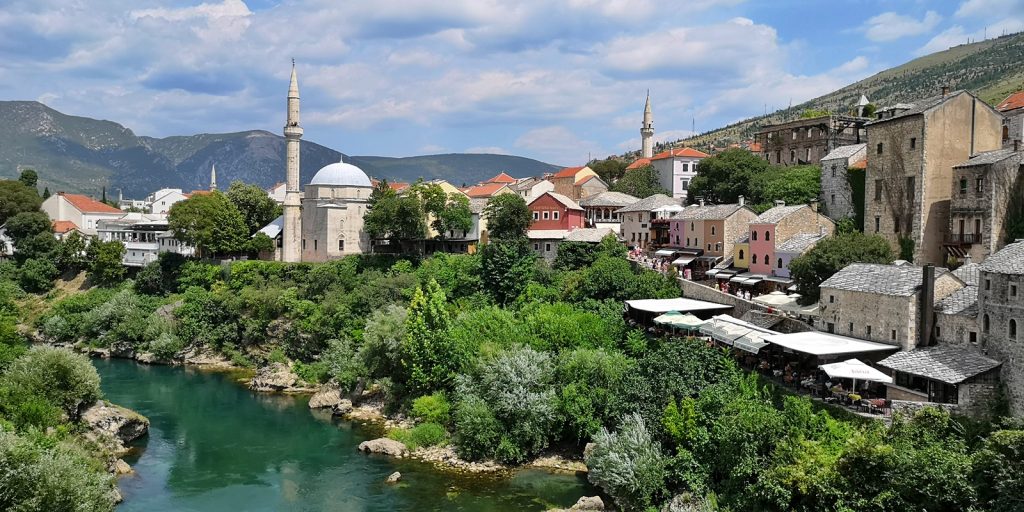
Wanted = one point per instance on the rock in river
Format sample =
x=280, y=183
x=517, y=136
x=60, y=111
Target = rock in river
x=592, y=503
x=275, y=377
x=114, y=425
x=384, y=446
x=327, y=396
x=393, y=478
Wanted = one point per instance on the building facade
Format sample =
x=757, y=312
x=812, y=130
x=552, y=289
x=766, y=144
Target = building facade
x=552, y=211
x=676, y=168
x=836, y=191
x=807, y=141
x=777, y=226
x=1012, y=109
x=599, y=210
x=987, y=188
x=83, y=211
x=333, y=206
x=637, y=220
x=1001, y=315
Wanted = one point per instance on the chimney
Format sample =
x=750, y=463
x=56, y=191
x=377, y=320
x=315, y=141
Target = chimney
x=814, y=205
x=1016, y=145
x=743, y=200
x=926, y=321
x=945, y=90
x=779, y=202
x=701, y=201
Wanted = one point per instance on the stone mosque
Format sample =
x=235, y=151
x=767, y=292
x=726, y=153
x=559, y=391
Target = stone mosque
x=327, y=221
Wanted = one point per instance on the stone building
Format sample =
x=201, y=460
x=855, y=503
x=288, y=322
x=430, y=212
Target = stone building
x=333, y=206
x=912, y=149
x=568, y=181
x=778, y=225
x=676, y=168
x=637, y=220
x=711, y=229
x=531, y=188
x=836, y=192
x=1001, y=315
x=1012, y=109
x=807, y=141
x=987, y=188
x=599, y=209
x=881, y=302
x=943, y=374
x=956, y=316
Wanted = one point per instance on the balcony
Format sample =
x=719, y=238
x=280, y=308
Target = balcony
x=963, y=238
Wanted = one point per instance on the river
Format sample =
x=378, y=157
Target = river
x=213, y=445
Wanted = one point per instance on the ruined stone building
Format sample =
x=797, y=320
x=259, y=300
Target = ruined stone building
x=836, y=191
x=807, y=141
x=988, y=189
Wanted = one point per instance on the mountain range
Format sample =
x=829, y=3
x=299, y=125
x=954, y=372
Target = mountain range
x=79, y=154
x=990, y=69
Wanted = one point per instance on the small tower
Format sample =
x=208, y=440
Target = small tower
x=213, y=177
x=647, y=130
x=292, y=235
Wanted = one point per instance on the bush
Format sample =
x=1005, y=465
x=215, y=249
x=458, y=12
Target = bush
x=628, y=464
x=203, y=275
x=37, y=275
x=432, y=408
x=58, y=329
x=56, y=479
x=342, y=364
x=382, y=338
x=64, y=378
x=166, y=346
x=477, y=431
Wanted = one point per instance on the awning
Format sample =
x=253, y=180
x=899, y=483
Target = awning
x=824, y=344
x=739, y=278
x=753, y=280
x=712, y=273
x=684, y=260
x=736, y=333
x=855, y=369
x=664, y=252
x=679, y=320
x=680, y=304
x=750, y=342
x=777, y=279
x=725, y=273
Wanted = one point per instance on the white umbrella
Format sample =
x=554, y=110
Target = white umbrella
x=856, y=370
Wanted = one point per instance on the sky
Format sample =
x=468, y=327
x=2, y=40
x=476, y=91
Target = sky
x=555, y=80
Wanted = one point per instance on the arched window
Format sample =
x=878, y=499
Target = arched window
x=691, y=226
x=766, y=260
x=767, y=236
x=712, y=230
x=1013, y=329
x=984, y=324
x=753, y=235
x=753, y=258
x=741, y=254
x=780, y=263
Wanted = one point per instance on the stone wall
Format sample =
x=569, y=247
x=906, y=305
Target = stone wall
x=834, y=182
x=693, y=290
x=995, y=303
x=863, y=311
x=956, y=329
x=908, y=408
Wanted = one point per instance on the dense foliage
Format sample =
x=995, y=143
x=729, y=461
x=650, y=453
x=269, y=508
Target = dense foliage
x=832, y=255
x=724, y=177
x=642, y=182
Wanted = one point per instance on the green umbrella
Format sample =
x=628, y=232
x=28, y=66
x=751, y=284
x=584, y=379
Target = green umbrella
x=679, y=320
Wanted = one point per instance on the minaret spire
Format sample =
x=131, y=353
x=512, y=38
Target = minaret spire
x=213, y=177
x=647, y=130
x=292, y=235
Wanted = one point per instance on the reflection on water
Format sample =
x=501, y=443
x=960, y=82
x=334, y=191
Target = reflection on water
x=214, y=446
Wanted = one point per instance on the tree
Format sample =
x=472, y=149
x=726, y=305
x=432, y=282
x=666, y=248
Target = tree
x=46, y=193
x=25, y=225
x=399, y=218
x=454, y=216
x=999, y=471
x=37, y=275
x=628, y=464
x=508, y=217
x=430, y=356
x=15, y=198
x=64, y=378
x=724, y=177
x=506, y=268
x=793, y=184
x=832, y=255
x=642, y=182
x=209, y=222
x=256, y=207
x=106, y=267
x=29, y=178
x=42, y=474
x=41, y=246
x=608, y=170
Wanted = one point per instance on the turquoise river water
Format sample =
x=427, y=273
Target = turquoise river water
x=215, y=446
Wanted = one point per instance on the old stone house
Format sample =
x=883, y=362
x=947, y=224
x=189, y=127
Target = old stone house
x=912, y=149
x=1001, y=315
x=599, y=209
x=987, y=189
x=807, y=141
x=956, y=316
x=836, y=192
x=569, y=181
x=943, y=374
x=637, y=220
x=1012, y=109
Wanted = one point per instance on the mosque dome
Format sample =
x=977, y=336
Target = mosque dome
x=341, y=174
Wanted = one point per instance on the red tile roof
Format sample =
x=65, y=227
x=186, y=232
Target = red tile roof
x=398, y=186
x=638, y=163
x=502, y=178
x=63, y=226
x=484, y=190
x=1013, y=102
x=860, y=164
x=681, y=152
x=755, y=147
x=86, y=204
x=568, y=172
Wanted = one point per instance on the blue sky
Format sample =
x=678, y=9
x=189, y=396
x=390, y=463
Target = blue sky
x=547, y=79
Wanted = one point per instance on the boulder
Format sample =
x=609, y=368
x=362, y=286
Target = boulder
x=121, y=467
x=384, y=446
x=327, y=396
x=113, y=424
x=148, y=358
x=343, y=407
x=275, y=377
x=393, y=478
x=588, y=503
x=588, y=449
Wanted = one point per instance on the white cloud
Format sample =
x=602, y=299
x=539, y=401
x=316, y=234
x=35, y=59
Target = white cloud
x=988, y=8
x=950, y=37
x=890, y=26
x=559, y=144
x=666, y=136
x=490, y=150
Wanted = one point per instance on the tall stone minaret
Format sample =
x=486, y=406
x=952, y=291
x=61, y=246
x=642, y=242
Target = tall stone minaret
x=213, y=177
x=647, y=130
x=292, y=237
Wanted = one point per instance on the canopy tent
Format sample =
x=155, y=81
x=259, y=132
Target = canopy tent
x=856, y=370
x=679, y=320
x=683, y=261
x=823, y=344
x=665, y=252
x=678, y=304
x=736, y=333
x=738, y=278
x=787, y=303
x=773, y=299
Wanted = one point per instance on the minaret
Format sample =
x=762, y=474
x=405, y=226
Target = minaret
x=213, y=177
x=647, y=130
x=292, y=236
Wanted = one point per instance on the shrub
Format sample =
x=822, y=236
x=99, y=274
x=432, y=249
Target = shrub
x=57, y=328
x=37, y=275
x=342, y=364
x=64, y=378
x=55, y=479
x=432, y=408
x=587, y=381
x=195, y=273
x=628, y=464
x=382, y=338
x=166, y=346
x=428, y=434
x=312, y=373
x=477, y=431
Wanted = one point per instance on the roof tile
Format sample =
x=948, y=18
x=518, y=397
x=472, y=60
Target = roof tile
x=87, y=204
x=943, y=363
x=897, y=280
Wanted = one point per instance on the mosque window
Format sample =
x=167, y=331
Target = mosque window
x=341, y=245
x=314, y=244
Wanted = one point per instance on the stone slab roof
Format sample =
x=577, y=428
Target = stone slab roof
x=590, y=235
x=1009, y=260
x=744, y=238
x=917, y=107
x=709, y=212
x=563, y=200
x=963, y=302
x=896, y=280
x=845, y=151
x=968, y=273
x=648, y=203
x=608, y=199
x=800, y=242
x=990, y=157
x=943, y=363
x=776, y=214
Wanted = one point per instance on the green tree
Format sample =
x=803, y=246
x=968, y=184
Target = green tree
x=399, y=218
x=256, y=207
x=628, y=464
x=29, y=178
x=106, y=267
x=46, y=193
x=15, y=198
x=508, y=217
x=454, y=216
x=430, y=357
x=71, y=253
x=25, y=225
x=642, y=182
x=62, y=377
x=722, y=178
x=51, y=477
x=832, y=255
x=999, y=471
x=209, y=222
x=41, y=246
x=793, y=184
x=37, y=275
x=506, y=268
x=609, y=170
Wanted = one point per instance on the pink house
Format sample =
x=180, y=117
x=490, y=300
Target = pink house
x=776, y=226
